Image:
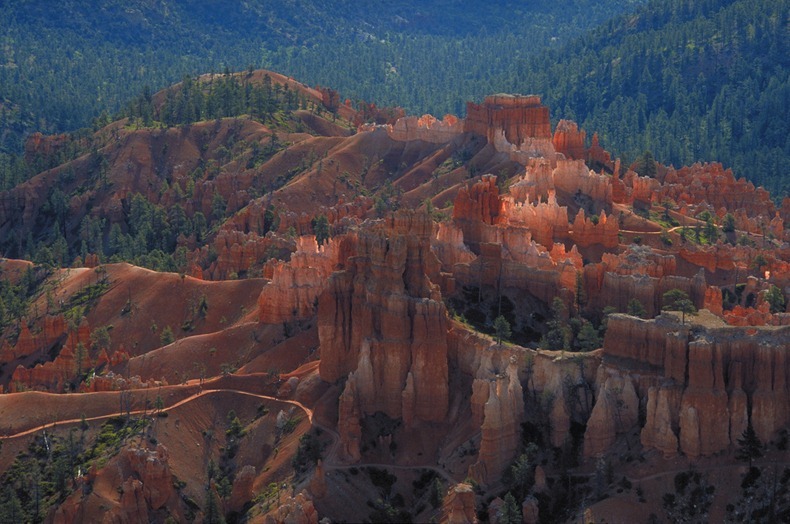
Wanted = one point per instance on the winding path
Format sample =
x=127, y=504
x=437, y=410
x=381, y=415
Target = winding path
x=330, y=461
x=36, y=429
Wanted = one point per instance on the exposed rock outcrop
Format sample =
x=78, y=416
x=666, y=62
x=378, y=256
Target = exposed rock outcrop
x=298, y=509
x=697, y=378
x=477, y=206
x=715, y=186
x=383, y=319
x=73, y=358
x=587, y=232
x=348, y=426
x=27, y=343
x=146, y=485
x=458, y=506
x=425, y=128
x=503, y=412
x=616, y=411
x=515, y=124
x=662, y=424
x=569, y=140
x=295, y=286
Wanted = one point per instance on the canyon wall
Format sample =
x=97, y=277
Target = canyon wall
x=691, y=380
x=383, y=319
x=517, y=125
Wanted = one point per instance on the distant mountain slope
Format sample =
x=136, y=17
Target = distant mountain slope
x=688, y=81
x=63, y=62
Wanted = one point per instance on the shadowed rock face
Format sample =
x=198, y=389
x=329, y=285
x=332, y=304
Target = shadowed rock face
x=145, y=482
x=501, y=401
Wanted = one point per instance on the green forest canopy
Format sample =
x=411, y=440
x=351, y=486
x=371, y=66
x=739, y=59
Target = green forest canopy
x=703, y=80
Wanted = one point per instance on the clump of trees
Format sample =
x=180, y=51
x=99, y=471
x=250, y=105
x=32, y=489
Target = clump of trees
x=678, y=300
x=575, y=334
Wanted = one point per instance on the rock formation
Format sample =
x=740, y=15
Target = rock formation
x=144, y=485
x=586, y=232
x=53, y=331
x=514, y=124
x=425, y=128
x=547, y=221
x=383, y=319
x=295, y=286
x=298, y=509
x=348, y=426
x=458, y=506
x=388, y=346
x=662, y=425
x=53, y=375
x=530, y=512
x=598, y=156
x=573, y=177
x=569, y=140
x=688, y=396
x=715, y=186
x=616, y=411
x=502, y=404
x=639, y=273
x=477, y=206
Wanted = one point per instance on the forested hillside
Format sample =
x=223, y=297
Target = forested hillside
x=63, y=62
x=705, y=80
x=688, y=81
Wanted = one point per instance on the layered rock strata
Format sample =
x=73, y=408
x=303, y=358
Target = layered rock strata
x=517, y=125
x=383, y=320
x=693, y=379
x=295, y=286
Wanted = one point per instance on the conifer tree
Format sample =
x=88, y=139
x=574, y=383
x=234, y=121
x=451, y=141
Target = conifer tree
x=749, y=445
x=502, y=329
x=509, y=512
x=678, y=300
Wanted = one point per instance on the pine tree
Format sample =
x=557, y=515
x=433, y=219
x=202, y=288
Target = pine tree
x=588, y=339
x=79, y=356
x=11, y=508
x=523, y=474
x=321, y=229
x=678, y=300
x=502, y=329
x=636, y=309
x=509, y=512
x=558, y=335
x=749, y=445
x=775, y=299
x=728, y=223
x=167, y=336
x=581, y=293
x=213, y=513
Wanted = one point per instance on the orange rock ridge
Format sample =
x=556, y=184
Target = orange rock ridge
x=569, y=140
x=425, y=128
